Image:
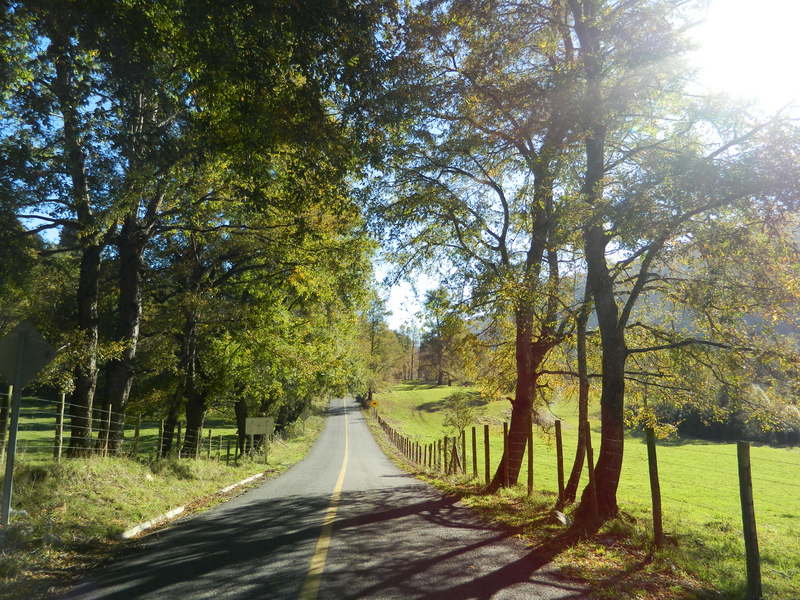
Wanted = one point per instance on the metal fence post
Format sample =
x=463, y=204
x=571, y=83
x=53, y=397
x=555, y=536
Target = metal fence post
x=5, y=407
x=59, y=441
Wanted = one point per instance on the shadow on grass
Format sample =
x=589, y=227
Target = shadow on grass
x=475, y=401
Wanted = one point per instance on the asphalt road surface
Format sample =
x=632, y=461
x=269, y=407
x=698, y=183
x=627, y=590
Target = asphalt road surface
x=343, y=523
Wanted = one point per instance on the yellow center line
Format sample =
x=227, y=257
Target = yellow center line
x=310, y=589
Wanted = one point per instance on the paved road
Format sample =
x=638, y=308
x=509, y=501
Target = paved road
x=388, y=536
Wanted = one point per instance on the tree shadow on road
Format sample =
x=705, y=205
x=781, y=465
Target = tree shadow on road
x=404, y=541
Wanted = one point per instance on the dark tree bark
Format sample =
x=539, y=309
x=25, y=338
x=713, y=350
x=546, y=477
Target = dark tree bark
x=241, y=419
x=80, y=410
x=130, y=245
x=91, y=242
x=530, y=353
x=595, y=239
x=170, y=423
x=195, y=416
x=521, y=405
x=614, y=355
x=571, y=489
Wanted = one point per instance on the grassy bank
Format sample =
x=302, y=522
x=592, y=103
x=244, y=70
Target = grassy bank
x=75, y=510
x=700, y=495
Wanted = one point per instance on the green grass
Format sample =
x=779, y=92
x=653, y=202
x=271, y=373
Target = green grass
x=699, y=483
x=75, y=509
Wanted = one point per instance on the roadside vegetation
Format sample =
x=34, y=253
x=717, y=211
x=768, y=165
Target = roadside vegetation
x=704, y=554
x=192, y=196
x=70, y=514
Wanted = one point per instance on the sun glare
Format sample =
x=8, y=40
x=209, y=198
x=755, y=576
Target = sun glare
x=749, y=50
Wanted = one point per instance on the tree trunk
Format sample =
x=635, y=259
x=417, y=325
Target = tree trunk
x=129, y=314
x=571, y=489
x=241, y=419
x=80, y=410
x=170, y=423
x=614, y=355
x=521, y=406
x=64, y=89
x=612, y=331
x=195, y=415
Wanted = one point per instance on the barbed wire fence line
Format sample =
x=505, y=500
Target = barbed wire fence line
x=681, y=488
x=43, y=434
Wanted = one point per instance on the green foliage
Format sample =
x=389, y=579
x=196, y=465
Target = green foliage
x=201, y=160
x=460, y=411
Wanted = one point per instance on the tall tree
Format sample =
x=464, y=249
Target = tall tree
x=445, y=333
x=478, y=185
x=671, y=180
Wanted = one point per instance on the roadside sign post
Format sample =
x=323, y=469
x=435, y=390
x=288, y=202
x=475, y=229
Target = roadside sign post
x=254, y=426
x=23, y=353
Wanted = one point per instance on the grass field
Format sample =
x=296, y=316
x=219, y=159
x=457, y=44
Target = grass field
x=699, y=483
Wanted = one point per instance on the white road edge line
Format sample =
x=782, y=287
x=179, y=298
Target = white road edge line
x=171, y=514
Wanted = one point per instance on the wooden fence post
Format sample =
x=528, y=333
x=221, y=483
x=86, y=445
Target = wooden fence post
x=474, y=453
x=228, y=452
x=208, y=450
x=219, y=447
x=59, y=441
x=530, y=458
x=560, y=461
x=463, y=451
x=446, y=469
x=505, y=453
x=454, y=463
x=749, y=522
x=590, y=467
x=655, y=488
x=486, y=461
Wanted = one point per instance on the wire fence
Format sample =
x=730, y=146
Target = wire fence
x=45, y=428
x=701, y=485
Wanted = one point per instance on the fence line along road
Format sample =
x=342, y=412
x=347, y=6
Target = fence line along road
x=447, y=455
